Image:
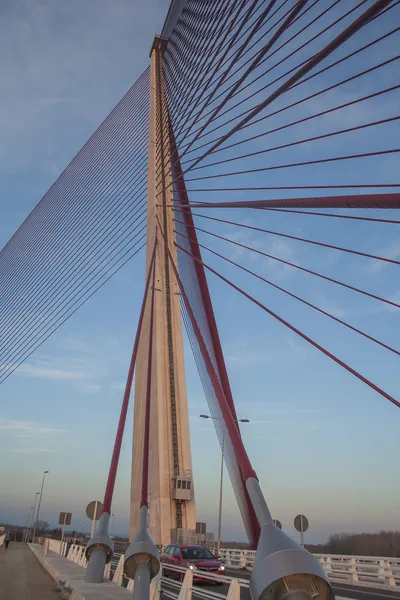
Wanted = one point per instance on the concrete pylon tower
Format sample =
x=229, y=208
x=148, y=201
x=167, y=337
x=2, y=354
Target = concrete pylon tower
x=171, y=501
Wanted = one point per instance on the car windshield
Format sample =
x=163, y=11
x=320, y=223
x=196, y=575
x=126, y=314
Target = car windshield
x=195, y=553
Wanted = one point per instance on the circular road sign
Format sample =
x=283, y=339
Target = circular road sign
x=301, y=523
x=278, y=523
x=94, y=509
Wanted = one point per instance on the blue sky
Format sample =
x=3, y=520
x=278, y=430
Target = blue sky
x=321, y=442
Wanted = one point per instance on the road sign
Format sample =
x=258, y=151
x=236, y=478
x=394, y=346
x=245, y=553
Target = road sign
x=64, y=518
x=278, y=523
x=93, y=510
x=301, y=523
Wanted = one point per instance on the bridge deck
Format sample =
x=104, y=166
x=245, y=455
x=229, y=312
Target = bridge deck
x=22, y=577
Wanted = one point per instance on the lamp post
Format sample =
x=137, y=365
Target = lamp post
x=28, y=524
x=222, y=471
x=112, y=524
x=33, y=516
x=40, y=501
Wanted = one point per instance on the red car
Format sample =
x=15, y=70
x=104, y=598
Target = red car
x=195, y=557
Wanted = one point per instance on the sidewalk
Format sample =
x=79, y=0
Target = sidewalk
x=22, y=577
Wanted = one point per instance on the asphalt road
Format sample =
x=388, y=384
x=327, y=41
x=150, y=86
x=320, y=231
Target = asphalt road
x=341, y=591
x=22, y=577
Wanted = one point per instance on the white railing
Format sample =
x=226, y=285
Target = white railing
x=349, y=569
x=357, y=570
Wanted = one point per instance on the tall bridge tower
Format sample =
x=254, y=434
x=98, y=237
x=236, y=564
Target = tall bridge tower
x=171, y=494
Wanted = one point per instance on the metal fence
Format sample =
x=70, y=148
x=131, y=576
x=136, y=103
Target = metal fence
x=358, y=570
x=350, y=569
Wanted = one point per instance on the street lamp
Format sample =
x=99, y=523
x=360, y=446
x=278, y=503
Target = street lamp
x=222, y=470
x=28, y=524
x=33, y=516
x=40, y=501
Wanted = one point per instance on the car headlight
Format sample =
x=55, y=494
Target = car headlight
x=191, y=567
x=221, y=568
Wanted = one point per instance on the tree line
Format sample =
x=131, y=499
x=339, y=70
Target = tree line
x=384, y=543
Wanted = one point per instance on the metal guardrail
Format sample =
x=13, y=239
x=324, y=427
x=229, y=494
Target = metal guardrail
x=358, y=570
x=347, y=569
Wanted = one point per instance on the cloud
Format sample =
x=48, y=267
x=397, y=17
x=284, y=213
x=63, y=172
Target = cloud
x=92, y=388
x=383, y=307
x=28, y=428
x=391, y=251
x=41, y=372
x=32, y=450
x=117, y=386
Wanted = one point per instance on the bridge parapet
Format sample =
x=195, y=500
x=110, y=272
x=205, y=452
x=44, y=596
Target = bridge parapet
x=350, y=569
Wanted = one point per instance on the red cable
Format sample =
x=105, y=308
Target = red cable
x=299, y=333
x=295, y=266
x=314, y=138
x=374, y=9
x=125, y=402
x=297, y=164
x=302, y=300
x=344, y=201
x=299, y=239
x=146, y=445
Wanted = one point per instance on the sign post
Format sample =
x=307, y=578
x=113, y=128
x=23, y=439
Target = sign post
x=301, y=524
x=93, y=511
x=64, y=519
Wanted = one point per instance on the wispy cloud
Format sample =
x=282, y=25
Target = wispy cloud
x=92, y=388
x=39, y=371
x=391, y=251
x=32, y=450
x=28, y=429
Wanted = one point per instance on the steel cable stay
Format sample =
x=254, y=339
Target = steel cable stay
x=297, y=76
x=74, y=164
x=86, y=206
x=191, y=74
x=299, y=267
x=109, y=490
x=264, y=206
x=196, y=94
x=286, y=21
x=297, y=239
x=311, y=64
x=203, y=68
x=295, y=330
x=301, y=101
x=280, y=31
x=298, y=164
x=47, y=295
x=296, y=103
x=40, y=247
x=54, y=221
x=314, y=138
x=168, y=53
x=77, y=287
x=310, y=117
x=126, y=258
x=200, y=52
x=81, y=172
x=245, y=32
x=296, y=297
x=83, y=242
x=232, y=92
x=288, y=72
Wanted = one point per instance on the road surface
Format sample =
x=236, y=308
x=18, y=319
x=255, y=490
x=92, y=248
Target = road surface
x=341, y=591
x=22, y=577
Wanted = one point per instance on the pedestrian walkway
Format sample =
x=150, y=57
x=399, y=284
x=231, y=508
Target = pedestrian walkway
x=22, y=577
